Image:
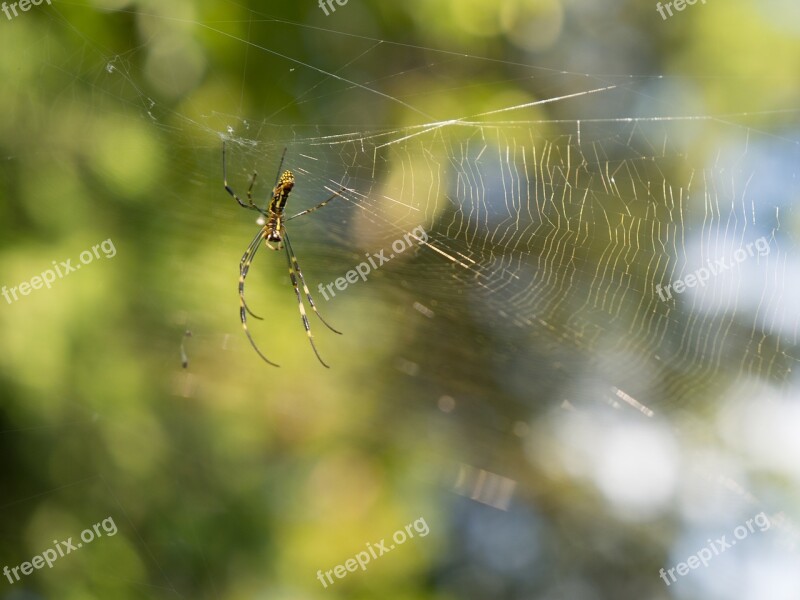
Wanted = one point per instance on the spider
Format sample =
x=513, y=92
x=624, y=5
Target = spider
x=274, y=230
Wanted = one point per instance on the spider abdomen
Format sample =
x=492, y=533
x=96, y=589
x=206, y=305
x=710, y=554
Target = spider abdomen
x=281, y=192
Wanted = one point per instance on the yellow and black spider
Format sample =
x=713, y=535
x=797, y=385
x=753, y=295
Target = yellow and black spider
x=274, y=230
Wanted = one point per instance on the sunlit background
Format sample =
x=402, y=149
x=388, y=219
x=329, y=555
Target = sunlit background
x=510, y=387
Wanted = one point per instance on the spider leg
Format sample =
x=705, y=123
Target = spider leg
x=228, y=188
x=243, y=310
x=317, y=207
x=249, y=253
x=292, y=261
x=280, y=164
x=303, y=281
x=250, y=189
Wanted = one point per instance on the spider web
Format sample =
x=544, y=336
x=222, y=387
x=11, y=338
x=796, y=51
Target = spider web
x=559, y=231
x=551, y=223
